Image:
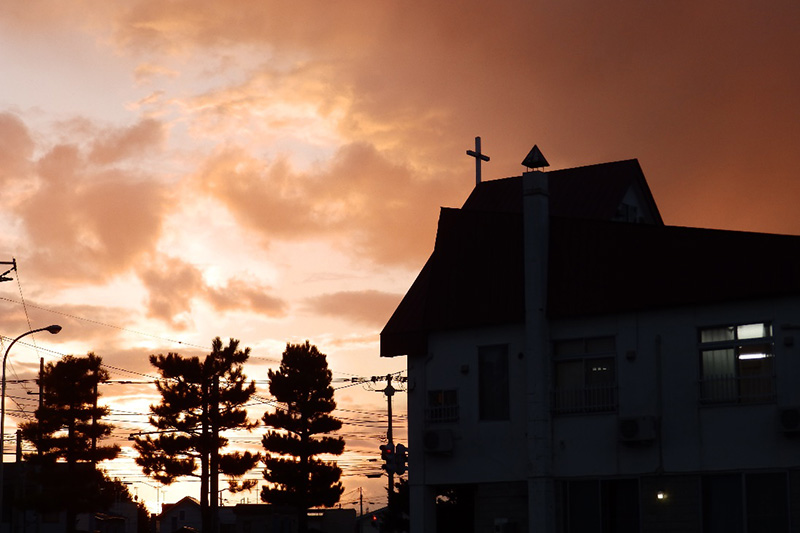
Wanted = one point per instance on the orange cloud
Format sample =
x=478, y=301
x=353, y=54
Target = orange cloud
x=173, y=285
x=239, y=294
x=683, y=89
x=16, y=149
x=84, y=216
x=125, y=143
x=368, y=307
x=364, y=201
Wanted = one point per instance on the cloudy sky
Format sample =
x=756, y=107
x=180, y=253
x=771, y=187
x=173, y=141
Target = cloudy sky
x=272, y=171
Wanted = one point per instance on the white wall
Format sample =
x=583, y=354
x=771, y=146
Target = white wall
x=658, y=347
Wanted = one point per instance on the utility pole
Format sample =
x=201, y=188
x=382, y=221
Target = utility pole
x=4, y=275
x=389, y=392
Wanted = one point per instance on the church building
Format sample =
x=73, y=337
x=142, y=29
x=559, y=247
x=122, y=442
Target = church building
x=576, y=365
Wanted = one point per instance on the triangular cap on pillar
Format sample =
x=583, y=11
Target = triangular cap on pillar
x=535, y=159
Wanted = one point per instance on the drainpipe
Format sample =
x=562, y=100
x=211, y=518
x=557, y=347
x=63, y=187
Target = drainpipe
x=536, y=235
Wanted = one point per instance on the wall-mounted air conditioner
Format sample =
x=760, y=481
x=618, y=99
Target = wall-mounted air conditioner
x=438, y=441
x=790, y=420
x=637, y=429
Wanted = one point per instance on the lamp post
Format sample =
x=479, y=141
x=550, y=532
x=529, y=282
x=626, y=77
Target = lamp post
x=50, y=329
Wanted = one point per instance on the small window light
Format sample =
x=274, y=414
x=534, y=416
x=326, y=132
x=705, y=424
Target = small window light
x=661, y=495
x=748, y=356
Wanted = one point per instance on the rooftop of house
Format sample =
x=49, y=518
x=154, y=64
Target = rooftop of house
x=596, y=264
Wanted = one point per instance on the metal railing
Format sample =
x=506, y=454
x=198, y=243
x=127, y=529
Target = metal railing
x=728, y=388
x=442, y=413
x=588, y=399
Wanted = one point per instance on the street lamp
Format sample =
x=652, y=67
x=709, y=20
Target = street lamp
x=50, y=329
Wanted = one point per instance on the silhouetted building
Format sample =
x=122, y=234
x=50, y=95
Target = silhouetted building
x=575, y=365
x=26, y=506
x=254, y=518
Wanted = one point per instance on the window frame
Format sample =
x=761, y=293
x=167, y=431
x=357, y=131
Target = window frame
x=445, y=408
x=494, y=398
x=750, y=360
x=590, y=396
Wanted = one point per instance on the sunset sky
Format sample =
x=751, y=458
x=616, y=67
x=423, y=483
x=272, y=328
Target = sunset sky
x=177, y=170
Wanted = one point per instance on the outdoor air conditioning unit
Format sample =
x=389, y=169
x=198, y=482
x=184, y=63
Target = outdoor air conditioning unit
x=637, y=429
x=438, y=441
x=790, y=420
x=504, y=525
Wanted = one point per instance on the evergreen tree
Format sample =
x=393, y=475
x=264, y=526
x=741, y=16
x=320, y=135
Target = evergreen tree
x=295, y=475
x=199, y=400
x=69, y=428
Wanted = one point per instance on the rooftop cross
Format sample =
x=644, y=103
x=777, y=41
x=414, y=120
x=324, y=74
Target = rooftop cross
x=478, y=158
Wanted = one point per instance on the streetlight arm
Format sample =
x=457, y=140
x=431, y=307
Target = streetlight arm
x=53, y=329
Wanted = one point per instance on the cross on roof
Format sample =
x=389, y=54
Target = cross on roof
x=478, y=158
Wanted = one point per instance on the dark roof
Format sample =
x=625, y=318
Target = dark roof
x=594, y=191
x=475, y=274
x=472, y=278
x=603, y=267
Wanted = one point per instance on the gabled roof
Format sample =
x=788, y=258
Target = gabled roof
x=185, y=501
x=475, y=275
x=594, y=191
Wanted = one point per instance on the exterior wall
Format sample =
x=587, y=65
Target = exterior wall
x=501, y=507
x=658, y=373
x=483, y=451
x=184, y=513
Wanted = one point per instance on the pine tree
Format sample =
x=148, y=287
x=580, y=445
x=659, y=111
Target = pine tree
x=199, y=400
x=296, y=476
x=68, y=428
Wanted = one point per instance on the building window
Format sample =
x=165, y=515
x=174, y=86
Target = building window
x=585, y=375
x=493, y=397
x=591, y=505
x=758, y=500
x=442, y=406
x=737, y=364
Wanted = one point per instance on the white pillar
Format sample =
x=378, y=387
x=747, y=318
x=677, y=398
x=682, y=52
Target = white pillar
x=536, y=220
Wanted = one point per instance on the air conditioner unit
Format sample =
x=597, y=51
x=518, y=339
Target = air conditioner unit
x=790, y=419
x=438, y=441
x=504, y=525
x=638, y=429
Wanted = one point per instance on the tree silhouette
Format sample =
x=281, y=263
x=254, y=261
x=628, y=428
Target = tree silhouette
x=294, y=474
x=199, y=400
x=69, y=427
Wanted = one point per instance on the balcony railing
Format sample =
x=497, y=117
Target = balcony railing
x=588, y=399
x=716, y=389
x=442, y=413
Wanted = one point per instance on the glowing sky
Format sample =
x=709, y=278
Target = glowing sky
x=272, y=171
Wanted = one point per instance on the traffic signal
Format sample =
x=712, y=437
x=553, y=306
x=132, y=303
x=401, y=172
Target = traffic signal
x=400, y=459
x=388, y=456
